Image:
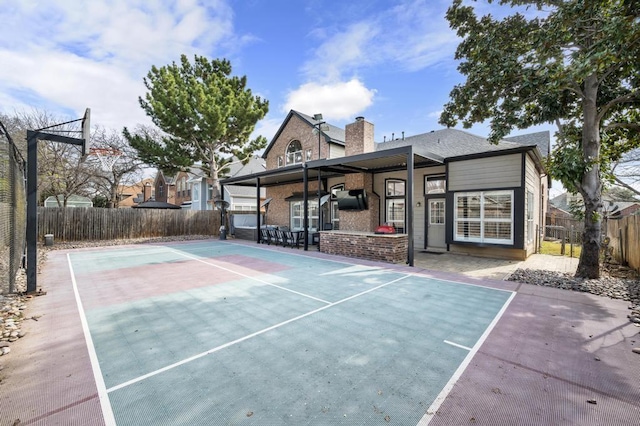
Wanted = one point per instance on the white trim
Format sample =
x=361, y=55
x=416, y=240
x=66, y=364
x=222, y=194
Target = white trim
x=482, y=220
x=249, y=336
x=103, y=397
x=433, y=409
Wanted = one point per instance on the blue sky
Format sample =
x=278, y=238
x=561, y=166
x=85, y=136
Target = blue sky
x=389, y=61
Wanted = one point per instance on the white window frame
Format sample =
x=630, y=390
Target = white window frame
x=435, y=178
x=481, y=220
x=293, y=157
x=395, y=201
x=296, y=222
x=530, y=216
x=243, y=207
x=195, y=192
x=335, y=212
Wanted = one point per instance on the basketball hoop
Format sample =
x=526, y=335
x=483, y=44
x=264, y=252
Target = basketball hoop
x=106, y=156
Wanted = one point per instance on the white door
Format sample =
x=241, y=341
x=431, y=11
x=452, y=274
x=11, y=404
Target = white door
x=435, y=223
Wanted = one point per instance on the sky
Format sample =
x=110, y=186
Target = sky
x=391, y=61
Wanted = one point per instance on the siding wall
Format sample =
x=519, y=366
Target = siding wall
x=336, y=151
x=532, y=183
x=419, y=213
x=482, y=173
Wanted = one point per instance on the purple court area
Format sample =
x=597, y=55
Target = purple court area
x=129, y=283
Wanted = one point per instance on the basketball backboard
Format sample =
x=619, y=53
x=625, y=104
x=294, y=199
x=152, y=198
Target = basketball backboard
x=86, y=133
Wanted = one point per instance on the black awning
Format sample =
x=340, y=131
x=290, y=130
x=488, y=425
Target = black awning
x=299, y=196
x=152, y=204
x=266, y=202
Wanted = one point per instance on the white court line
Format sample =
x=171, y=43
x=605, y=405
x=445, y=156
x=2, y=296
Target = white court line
x=250, y=277
x=249, y=336
x=107, y=412
x=431, y=412
x=386, y=269
x=457, y=345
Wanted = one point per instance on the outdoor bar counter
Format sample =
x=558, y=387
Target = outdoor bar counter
x=390, y=248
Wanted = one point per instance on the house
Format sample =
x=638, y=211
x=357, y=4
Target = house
x=72, y=201
x=445, y=190
x=191, y=189
x=242, y=198
x=164, y=188
x=130, y=195
x=612, y=208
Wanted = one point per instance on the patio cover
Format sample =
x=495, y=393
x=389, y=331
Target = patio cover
x=394, y=159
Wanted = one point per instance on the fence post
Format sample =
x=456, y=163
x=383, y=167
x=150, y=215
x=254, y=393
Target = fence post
x=571, y=241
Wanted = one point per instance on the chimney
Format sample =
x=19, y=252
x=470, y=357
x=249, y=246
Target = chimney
x=358, y=137
x=146, y=192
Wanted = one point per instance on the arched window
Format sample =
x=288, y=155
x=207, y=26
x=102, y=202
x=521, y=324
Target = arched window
x=294, y=152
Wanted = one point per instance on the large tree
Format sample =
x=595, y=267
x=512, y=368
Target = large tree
x=570, y=62
x=206, y=114
x=126, y=168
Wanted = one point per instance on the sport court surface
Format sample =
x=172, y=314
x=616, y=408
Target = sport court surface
x=212, y=332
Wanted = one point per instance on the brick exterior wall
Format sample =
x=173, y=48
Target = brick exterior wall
x=183, y=195
x=358, y=140
x=358, y=137
x=279, y=212
x=165, y=192
x=381, y=248
x=365, y=220
x=300, y=130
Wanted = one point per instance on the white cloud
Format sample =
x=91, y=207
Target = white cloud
x=344, y=51
x=336, y=101
x=408, y=37
x=267, y=127
x=68, y=55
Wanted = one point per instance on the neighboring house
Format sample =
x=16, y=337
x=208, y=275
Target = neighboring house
x=164, y=188
x=447, y=190
x=130, y=195
x=200, y=190
x=564, y=201
x=557, y=213
x=242, y=198
x=191, y=189
x=614, y=209
x=72, y=201
x=626, y=208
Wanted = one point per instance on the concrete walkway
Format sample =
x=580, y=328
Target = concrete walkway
x=496, y=269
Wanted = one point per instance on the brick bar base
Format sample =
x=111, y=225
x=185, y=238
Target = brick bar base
x=365, y=245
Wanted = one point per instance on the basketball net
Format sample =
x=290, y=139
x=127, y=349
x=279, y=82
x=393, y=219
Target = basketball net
x=107, y=157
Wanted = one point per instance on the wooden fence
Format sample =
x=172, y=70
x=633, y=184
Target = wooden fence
x=78, y=224
x=624, y=235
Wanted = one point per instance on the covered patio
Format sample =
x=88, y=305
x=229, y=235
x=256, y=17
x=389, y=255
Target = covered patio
x=316, y=172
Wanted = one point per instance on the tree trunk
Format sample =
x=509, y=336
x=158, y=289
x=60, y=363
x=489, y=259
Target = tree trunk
x=591, y=185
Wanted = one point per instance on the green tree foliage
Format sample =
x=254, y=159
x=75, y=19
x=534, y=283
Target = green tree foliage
x=206, y=115
x=570, y=62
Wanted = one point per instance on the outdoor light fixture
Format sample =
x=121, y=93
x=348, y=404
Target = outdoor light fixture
x=319, y=124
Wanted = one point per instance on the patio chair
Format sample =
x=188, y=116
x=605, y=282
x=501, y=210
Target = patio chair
x=273, y=236
x=292, y=238
x=265, y=237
